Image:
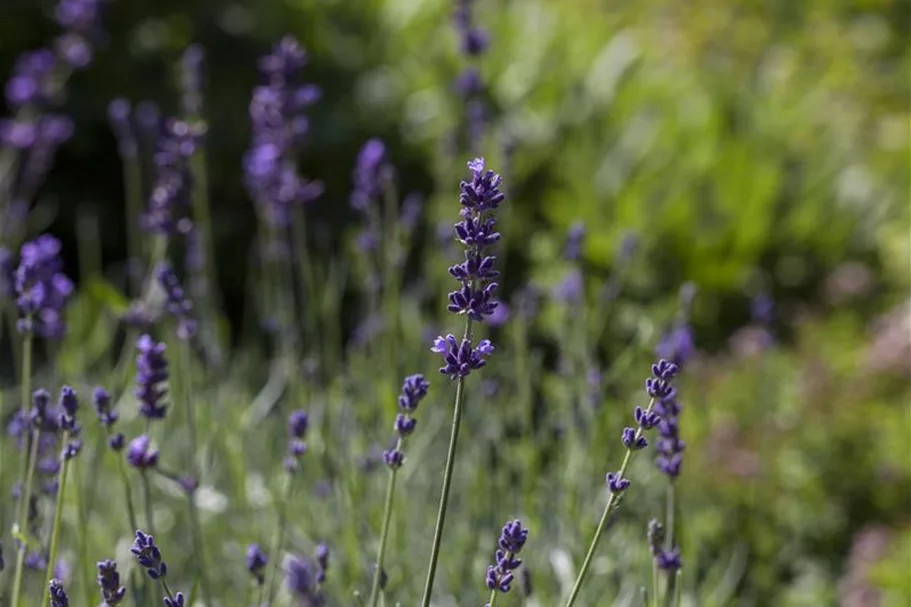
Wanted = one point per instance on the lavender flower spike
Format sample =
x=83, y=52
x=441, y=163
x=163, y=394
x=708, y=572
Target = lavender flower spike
x=151, y=373
x=660, y=392
x=500, y=575
x=42, y=289
x=109, y=582
x=148, y=555
x=476, y=231
x=58, y=594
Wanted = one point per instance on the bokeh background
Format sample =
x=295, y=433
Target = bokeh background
x=751, y=149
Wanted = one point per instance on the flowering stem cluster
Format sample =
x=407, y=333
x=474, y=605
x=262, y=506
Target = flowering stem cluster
x=658, y=388
x=476, y=231
x=413, y=391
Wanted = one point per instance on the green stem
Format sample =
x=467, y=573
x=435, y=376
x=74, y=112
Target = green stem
x=20, y=528
x=265, y=594
x=384, y=534
x=612, y=503
x=669, y=537
x=83, y=536
x=147, y=496
x=492, y=601
x=131, y=518
x=447, y=482
x=58, y=517
x=678, y=588
x=656, y=581
x=26, y=466
x=195, y=525
x=166, y=588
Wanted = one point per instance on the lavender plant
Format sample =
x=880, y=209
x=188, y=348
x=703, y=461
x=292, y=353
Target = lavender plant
x=659, y=389
x=500, y=575
x=413, y=392
x=476, y=231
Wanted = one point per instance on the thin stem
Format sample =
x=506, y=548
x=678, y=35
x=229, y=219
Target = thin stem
x=492, y=601
x=265, y=594
x=384, y=534
x=612, y=503
x=656, y=581
x=166, y=588
x=669, y=537
x=83, y=536
x=58, y=517
x=20, y=528
x=147, y=497
x=447, y=482
x=131, y=517
x=132, y=181
x=26, y=467
x=678, y=588
x=196, y=528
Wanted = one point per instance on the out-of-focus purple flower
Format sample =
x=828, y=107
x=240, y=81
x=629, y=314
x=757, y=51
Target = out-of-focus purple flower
x=102, y=401
x=527, y=301
x=192, y=63
x=512, y=539
x=119, y=118
x=178, y=304
x=170, y=194
x=151, y=374
x=322, y=559
x=469, y=83
x=762, y=309
x=138, y=317
x=500, y=315
x=677, y=345
x=371, y=173
x=148, y=555
x=667, y=560
x=32, y=79
x=279, y=127
x=300, y=579
x=109, y=582
x=575, y=240
x=473, y=40
x=74, y=50
x=42, y=289
x=298, y=422
x=571, y=289
x=411, y=212
x=78, y=15
x=141, y=454
x=256, y=561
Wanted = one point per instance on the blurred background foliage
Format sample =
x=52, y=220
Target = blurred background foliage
x=752, y=147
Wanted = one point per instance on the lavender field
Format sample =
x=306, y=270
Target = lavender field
x=455, y=303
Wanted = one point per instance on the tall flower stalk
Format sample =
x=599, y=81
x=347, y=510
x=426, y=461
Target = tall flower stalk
x=413, y=391
x=659, y=389
x=67, y=422
x=476, y=231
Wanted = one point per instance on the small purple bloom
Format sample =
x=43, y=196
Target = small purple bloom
x=616, y=483
x=141, y=454
x=575, y=240
x=256, y=561
x=460, y=357
x=109, y=582
x=42, y=289
x=148, y=555
x=178, y=601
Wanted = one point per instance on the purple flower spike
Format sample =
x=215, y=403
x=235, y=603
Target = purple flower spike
x=58, y=594
x=109, y=582
x=170, y=194
x=151, y=373
x=42, y=289
x=178, y=304
x=256, y=561
x=148, y=555
x=512, y=539
x=298, y=422
x=322, y=559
